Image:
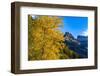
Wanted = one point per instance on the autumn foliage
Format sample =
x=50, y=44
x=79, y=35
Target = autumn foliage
x=45, y=40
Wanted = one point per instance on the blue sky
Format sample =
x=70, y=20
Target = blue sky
x=75, y=25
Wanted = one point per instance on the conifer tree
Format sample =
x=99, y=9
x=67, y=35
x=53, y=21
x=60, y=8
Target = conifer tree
x=45, y=40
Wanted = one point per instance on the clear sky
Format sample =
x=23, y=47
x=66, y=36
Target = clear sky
x=75, y=25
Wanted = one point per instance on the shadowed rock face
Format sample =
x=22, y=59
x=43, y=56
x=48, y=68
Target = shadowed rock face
x=82, y=38
x=68, y=36
x=78, y=45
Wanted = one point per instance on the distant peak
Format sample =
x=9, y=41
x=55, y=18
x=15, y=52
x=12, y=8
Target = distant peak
x=68, y=35
x=82, y=38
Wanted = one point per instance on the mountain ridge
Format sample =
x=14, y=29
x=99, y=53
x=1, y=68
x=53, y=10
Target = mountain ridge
x=78, y=45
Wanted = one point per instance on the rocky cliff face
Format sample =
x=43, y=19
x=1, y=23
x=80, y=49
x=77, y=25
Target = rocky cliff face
x=78, y=45
x=70, y=38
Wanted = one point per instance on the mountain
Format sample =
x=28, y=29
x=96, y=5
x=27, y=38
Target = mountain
x=70, y=38
x=78, y=45
x=83, y=40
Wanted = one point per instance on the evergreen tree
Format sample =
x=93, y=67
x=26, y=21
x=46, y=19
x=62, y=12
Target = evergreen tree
x=45, y=39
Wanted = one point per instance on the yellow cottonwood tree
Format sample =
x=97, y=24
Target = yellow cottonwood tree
x=45, y=40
